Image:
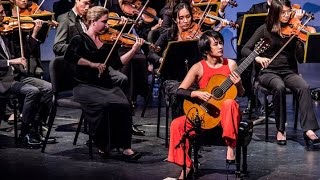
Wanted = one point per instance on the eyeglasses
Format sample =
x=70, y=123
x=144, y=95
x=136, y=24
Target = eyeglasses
x=284, y=13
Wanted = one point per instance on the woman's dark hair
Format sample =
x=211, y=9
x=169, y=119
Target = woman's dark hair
x=175, y=14
x=272, y=21
x=204, y=41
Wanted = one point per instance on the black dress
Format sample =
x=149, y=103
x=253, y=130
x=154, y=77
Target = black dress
x=282, y=72
x=100, y=100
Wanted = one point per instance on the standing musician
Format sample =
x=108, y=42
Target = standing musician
x=211, y=47
x=282, y=72
x=95, y=91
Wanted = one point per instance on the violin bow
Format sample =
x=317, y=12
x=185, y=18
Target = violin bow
x=204, y=15
x=39, y=7
x=289, y=40
x=20, y=35
x=105, y=3
x=139, y=15
x=114, y=44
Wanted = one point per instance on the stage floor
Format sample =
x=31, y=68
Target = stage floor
x=62, y=161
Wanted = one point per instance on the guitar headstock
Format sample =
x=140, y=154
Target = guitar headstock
x=262, y=45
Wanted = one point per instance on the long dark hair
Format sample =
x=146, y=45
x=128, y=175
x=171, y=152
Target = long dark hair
x=204, y=41
x=175, y=14
x=273, y=22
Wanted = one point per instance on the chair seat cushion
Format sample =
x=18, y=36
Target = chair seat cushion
x=68, y=102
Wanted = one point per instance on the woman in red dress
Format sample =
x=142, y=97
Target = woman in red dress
x=211, y=47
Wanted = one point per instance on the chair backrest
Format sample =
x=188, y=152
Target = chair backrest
x=62, y=75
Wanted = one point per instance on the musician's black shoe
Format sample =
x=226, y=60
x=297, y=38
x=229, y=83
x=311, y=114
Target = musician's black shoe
x=29, y=140
x=51, y=140
x=137, y=131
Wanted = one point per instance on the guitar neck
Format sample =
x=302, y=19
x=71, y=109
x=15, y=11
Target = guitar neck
x=243, y=66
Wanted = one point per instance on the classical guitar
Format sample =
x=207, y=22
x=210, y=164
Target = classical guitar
x=221, y=87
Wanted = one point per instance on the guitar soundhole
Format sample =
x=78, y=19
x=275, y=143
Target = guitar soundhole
x=218, y=93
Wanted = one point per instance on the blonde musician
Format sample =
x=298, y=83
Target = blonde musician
x=211, y=47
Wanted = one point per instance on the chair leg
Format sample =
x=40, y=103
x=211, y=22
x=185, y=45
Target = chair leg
x=15, y=120
x=78, y=130
x=148, y=96
x=159, y=112
x=296, y=113
x=238, y=159
x=266, y=118
x=167, y=123
x=50, y=123
x=90, y=147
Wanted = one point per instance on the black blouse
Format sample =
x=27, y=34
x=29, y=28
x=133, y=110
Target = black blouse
x=286, y=61
x=82, y=46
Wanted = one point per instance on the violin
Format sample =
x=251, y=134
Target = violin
x=27, y=23
x=126, y=40
x=133, y=8
x=192, y=33
x=114, y=19
x=197, y=14
x=296, y=7
x=293, y=28
x=211, y=18
x=231, y=3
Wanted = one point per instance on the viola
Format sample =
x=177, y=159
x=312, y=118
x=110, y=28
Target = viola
x=231, y=3
x=27, y=23
x=133, y=8
x=192, y=33
x=293, y=28
x=126, y=40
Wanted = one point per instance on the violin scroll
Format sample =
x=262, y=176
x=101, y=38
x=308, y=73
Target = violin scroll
x=296, y=7
x=233, y=3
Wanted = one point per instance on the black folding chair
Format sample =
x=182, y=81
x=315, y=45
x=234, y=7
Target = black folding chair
x=62, y=77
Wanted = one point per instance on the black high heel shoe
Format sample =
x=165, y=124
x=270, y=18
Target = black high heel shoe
x=132, y=157
x=311, y=142
x=228, y=164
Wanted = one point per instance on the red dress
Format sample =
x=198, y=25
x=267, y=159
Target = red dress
x=230, y=118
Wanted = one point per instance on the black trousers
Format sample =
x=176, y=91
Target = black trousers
x=277, y=84
x=101, y=105
x=136, y=71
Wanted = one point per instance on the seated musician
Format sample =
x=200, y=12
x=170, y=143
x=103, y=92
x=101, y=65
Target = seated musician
x=213, y=63
x=26, y=8
x=183, y=22
x=138, y=77
x=37, y=92
x=282, y=72
x=167, y=12
x=96, y=93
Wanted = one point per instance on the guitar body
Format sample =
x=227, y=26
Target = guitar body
x=209, y=112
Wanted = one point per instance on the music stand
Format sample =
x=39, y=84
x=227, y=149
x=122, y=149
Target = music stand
x=178, y=57
x=43, y=33
x=311, y=54
x=250, y=24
